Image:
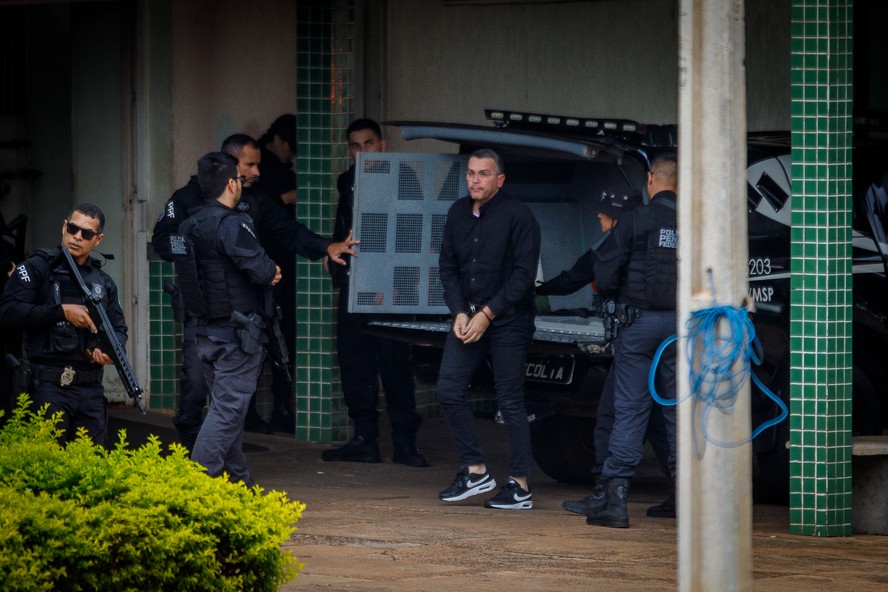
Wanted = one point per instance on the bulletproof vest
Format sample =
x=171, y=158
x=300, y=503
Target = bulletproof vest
x=652, y=275
x=213, y=287
x=63, y=341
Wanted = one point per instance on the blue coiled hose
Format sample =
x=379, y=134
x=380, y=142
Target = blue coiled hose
x=714, y=380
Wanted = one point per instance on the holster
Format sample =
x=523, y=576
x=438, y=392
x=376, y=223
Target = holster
x=624, y=314
x=21, y=374
x=177, y=301
x=250, y=331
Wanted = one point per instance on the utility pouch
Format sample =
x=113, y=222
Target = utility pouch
x=611, y=320
x=63, y=339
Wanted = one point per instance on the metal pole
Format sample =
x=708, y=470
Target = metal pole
x=714, y=492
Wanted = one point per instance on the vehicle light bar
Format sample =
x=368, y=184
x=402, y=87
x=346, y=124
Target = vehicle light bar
x=503, y=118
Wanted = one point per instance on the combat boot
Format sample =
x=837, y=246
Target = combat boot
x=591, y=503
x=666, y=509
x=615, y=514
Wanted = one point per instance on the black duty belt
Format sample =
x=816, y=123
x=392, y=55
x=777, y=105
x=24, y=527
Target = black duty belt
x=625, y=314
x=66, y=376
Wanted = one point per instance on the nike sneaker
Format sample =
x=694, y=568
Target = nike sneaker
x=511, y=497
x=466, y=485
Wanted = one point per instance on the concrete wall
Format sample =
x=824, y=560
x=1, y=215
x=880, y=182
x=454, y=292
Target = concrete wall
x=597, y=58
x=234, y=70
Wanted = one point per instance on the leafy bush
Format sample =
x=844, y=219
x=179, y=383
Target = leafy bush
x=82, y=517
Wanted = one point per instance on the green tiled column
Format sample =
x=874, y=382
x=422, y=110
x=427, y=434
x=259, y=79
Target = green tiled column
x=325, y=39
x=165, y=335
x=820, y=469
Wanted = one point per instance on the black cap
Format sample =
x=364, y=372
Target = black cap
x=615, y=204
x=285, y=127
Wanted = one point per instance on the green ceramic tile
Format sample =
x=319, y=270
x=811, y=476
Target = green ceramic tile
x=821, y=170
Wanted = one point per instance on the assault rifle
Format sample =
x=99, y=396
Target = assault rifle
x=113, y=348
x=277, y=345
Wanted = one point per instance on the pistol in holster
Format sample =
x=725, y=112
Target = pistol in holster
x=21, y=374
x=177, y=301
x=249, y=331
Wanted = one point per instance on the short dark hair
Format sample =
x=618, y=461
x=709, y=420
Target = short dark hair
x=235, y=144
x=493, y=155
x=90, y=211
x=666, y=164
x=364, y=124
x=214, y=170
x=285, y=127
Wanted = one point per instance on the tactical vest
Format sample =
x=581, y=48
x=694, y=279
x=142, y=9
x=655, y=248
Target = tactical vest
x=652, y=274
x=212, y=285
x=63, y=342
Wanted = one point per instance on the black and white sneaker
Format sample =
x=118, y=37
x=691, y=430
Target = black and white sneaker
x=511, y=497
x=466, y=485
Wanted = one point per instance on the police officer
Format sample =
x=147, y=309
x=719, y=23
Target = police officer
x=59, y=338
x=637, y=266
x=612, y=207
x=278, y=235
x=365, y=359
x=224, y=273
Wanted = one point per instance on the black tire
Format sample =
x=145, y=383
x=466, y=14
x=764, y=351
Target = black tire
x=564, y=448
x=771, y=483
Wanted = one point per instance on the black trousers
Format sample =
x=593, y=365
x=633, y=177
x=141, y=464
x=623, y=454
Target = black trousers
x=363, y=360
x=82, y=405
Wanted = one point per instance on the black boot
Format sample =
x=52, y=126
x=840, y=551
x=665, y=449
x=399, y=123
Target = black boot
x=615, y=514
x=591, y=503
x=667, y=508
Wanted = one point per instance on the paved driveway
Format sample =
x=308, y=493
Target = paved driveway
x=382, y=528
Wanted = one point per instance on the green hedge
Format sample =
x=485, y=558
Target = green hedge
x=82, y=517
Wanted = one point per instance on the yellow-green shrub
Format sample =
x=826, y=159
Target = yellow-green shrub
x=82, y=517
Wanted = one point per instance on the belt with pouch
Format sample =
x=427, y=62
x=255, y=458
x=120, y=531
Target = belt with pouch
x=66, y=376
x=626, y=314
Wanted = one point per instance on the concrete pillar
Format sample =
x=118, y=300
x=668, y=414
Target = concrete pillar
x=715, y=508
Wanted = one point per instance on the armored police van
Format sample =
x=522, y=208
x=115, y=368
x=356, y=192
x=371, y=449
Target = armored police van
x=561, y=166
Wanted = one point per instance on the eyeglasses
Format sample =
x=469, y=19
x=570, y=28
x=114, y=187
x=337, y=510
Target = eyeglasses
x=483, y=175
x=242, y=179
x=86, y=233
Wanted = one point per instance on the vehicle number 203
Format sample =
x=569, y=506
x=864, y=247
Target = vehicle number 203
x=760, y=266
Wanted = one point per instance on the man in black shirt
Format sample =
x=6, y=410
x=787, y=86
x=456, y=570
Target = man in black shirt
x=488, y=263
x=365, y=359
x=278, y=147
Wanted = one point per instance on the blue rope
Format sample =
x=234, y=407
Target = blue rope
x=714, y=380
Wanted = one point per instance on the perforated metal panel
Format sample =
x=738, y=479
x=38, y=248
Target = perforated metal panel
x=401, y=203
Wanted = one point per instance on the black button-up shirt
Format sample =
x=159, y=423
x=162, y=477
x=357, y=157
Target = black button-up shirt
x=490, y=259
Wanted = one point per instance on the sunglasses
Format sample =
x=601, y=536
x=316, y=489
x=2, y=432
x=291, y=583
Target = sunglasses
x=86, y=233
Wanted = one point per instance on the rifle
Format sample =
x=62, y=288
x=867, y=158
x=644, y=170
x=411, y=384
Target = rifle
x=113, y=348
x=277, y=345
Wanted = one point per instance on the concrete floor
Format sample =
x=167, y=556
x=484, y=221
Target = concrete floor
x=381, y=528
